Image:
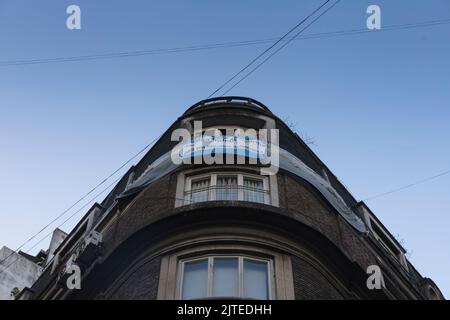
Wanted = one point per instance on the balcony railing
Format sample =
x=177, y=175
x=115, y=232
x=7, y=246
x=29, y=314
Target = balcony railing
x=230, y=193
x=232, y=100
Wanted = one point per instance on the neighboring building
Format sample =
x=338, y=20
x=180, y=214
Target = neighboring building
x=179, y=231
x=19, y=270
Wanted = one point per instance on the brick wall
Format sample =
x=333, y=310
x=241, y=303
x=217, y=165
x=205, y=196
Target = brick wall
x=310, y=210
x=142, y=284
x=157, y=198
x=310, y=284
x=306, y=204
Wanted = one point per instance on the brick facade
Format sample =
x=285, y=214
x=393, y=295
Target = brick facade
x=310, y=284
x=327, y=256
x=142, y=284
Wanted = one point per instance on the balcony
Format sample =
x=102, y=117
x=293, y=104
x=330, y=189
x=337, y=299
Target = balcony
x=227, y=193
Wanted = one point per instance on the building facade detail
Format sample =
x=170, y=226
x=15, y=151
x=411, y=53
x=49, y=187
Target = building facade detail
x=207, y=231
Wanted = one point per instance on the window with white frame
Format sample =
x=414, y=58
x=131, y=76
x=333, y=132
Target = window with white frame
x=200, y=190
x=227, y=186
x=225, y=276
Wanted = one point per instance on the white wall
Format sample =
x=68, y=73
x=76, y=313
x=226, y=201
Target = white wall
x=20, y=273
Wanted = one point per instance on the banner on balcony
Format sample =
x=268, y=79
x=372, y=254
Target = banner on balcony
x=235, y=145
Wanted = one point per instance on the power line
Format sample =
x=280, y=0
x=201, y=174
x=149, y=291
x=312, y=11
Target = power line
x=60, y=225
x=127, y=54
x=71, y=216
x=280, y=48
x=408, y=186
x=142, y=150
x=130, y=53
x=285, y=39
x=81, y=199
x=268, y=49
x=110, y=185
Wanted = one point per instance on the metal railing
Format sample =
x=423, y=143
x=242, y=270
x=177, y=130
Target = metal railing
x=227, y=193
x=231, y=100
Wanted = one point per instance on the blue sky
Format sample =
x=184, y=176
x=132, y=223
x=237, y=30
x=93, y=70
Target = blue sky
x=376, y=104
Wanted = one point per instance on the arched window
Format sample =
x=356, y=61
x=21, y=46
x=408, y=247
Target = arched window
x=220, y=270
x=226, y=276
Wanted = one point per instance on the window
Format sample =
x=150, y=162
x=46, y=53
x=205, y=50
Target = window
x=200, y=190
x=387, y=243
x=195, y=280
x=242, y=187
x=253, y=190
x=225, y=276
x=225, y=281
x=235, y=268
x=227, y=188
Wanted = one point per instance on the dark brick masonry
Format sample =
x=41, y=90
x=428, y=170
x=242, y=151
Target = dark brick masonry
x=141, y=285
x=310, y=284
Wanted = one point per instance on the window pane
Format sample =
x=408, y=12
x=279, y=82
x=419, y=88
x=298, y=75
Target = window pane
x=256, y=279
x=195, y=279
x=225, y=277
x=226, y=188
x=253, y=190
x=200, y=190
